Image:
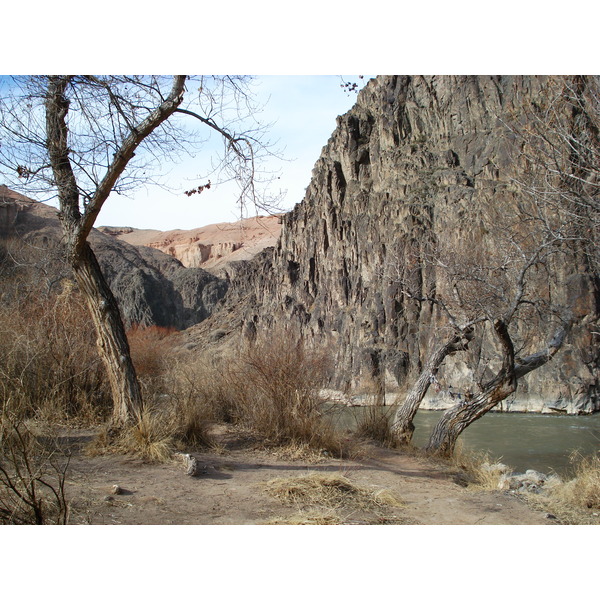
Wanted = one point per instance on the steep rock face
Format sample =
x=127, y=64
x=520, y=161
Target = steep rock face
x=416, y=157
x=151, y=287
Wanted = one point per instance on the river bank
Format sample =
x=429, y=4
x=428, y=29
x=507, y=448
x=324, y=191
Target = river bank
x=232, y=487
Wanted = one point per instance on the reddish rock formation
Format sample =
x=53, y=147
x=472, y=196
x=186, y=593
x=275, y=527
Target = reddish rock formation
x=209, y=247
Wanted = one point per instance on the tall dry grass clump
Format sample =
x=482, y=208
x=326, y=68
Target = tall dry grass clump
x=179, y=407
x=374, y=422
x=583, y=490
x=478, y=469
x=49, y=367
x=275, y=386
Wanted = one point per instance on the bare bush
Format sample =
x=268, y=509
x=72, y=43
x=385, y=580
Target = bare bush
x=149, y=347
x=276, y=385
x=32, y=477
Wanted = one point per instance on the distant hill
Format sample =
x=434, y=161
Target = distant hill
x=210, y=247
x=151, y=287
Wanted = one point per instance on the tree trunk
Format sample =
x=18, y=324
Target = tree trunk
x=456, y=419
x=403, y=427
x=111, y=337
x=112, y=341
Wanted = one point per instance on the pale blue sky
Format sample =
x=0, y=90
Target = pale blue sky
x=303, y=110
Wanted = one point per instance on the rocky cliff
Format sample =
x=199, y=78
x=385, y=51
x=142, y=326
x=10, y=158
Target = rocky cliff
x=209, y=247
x=151, y=287
x=417, y=158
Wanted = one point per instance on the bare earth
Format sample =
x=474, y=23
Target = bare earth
x=230, y=489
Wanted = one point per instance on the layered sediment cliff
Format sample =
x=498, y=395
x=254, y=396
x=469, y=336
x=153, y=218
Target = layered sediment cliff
x=417, y=158
x=209, y=247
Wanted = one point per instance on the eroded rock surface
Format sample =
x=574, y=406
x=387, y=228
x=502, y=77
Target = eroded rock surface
x=151, y=287
x=416, y=157
x=210, y=247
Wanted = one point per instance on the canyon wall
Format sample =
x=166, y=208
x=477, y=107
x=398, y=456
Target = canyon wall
x=151, y=287
x=209, y=247
x=416, y=159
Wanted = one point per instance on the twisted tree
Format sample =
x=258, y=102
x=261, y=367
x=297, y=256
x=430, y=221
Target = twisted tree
x=503, y=294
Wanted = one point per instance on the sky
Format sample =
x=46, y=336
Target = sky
x=302, y=110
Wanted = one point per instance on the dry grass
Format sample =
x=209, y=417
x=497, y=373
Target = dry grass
x=477, y=469
x=323, y=498
x=149, y=347
x=49, y=365
x=576, y=501
x=311, y=517
x=375, y=424
x=583, y=490
x=156, y=435
x=49, y=369
x=271, y=389
x=572, y=502
x=276, y=384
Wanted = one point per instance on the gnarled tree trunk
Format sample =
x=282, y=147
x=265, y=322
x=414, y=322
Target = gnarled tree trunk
x=112, y=341
x=402, y=426
x=456, y=419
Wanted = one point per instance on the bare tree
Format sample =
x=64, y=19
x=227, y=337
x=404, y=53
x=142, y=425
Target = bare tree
x=82, y=138
x=556, y=141
x=502, y=285
x=500, y=290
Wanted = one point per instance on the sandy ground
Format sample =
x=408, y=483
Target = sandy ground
x=230, y=489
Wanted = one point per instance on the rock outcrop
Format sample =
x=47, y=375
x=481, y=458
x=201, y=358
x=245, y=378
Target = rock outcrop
x=416, y=157
x=209, y=247
x=151, y=287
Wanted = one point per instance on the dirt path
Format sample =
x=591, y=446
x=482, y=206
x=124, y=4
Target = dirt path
x=230, y=489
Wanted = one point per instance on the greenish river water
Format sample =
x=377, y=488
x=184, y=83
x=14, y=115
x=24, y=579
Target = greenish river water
x=521, y=440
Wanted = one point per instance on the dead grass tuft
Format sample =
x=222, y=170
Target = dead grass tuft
x=583, y=490
x=329, y=490
x=375, y=424
x=576, y=501
x=156, y=434
x=312, y=517
x=477, y=469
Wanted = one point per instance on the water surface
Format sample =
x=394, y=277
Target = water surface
x=521, y=440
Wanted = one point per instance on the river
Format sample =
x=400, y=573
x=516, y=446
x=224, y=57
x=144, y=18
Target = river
x=521, y=440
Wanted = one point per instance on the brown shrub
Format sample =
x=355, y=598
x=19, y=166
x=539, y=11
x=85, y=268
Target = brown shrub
x=270, y=388
x=48, y=367
x=149, y=347
x=275, y=386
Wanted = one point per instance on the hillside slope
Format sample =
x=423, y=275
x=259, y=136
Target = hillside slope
x=151, y=287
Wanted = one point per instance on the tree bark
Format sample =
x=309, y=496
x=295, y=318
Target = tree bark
x=113, y=346
x=402, y=426
x=104, y=311
x=456, y=419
